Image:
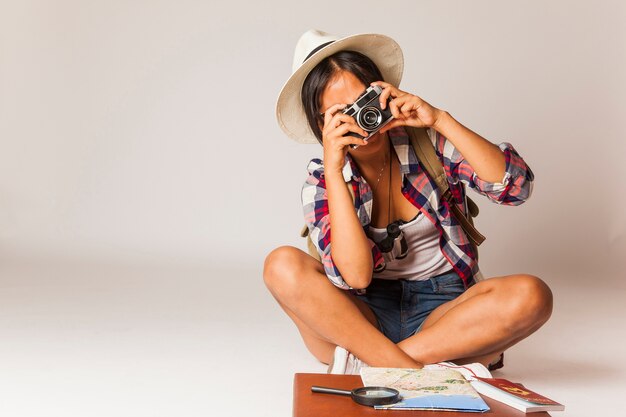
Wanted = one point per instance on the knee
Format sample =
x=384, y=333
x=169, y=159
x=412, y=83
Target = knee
x=281, y=270
x=530, y=302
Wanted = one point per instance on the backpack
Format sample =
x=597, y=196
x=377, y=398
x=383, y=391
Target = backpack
x=425, y=152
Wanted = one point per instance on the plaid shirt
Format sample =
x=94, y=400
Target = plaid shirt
x=423, y=193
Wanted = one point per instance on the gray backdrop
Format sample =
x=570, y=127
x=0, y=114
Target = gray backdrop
x=143, y=179
x=145, y=131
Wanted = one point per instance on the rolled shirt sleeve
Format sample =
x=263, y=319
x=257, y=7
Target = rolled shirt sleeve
x=514, y=188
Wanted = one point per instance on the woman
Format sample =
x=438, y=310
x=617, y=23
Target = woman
x=418, y=300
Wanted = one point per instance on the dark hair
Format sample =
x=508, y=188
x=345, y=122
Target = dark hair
x=356, y=63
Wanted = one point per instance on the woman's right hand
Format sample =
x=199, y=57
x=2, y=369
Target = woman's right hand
x=334, y=138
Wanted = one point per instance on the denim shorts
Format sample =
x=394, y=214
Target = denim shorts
x=401, y=306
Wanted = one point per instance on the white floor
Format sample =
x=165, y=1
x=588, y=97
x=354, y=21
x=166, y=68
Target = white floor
x=90, y=339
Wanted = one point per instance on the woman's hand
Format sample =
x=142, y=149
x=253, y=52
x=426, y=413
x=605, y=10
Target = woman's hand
x=407, y=109
x=335, y=139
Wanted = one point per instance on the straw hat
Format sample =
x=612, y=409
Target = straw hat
x=312, y=47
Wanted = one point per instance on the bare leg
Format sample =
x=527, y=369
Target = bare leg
x=484, y=321
x=327, y=316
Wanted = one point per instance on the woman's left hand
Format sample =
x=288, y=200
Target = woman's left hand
x=407, y=109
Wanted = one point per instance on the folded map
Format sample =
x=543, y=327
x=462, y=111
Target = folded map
x=426, y=389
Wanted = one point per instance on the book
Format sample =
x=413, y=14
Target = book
x=426, y=389
x=515, y=395
x=500, y=389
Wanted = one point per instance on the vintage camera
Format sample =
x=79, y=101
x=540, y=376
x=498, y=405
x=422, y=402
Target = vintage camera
x=367, y=112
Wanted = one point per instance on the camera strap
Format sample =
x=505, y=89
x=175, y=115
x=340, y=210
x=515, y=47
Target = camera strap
x=425, y=152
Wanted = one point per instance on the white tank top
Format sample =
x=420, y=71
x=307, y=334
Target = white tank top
x=424, y=258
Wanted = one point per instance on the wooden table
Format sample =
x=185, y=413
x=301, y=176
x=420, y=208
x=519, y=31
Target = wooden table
x=308, y=404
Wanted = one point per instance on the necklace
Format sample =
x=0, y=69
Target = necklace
x=380, y=174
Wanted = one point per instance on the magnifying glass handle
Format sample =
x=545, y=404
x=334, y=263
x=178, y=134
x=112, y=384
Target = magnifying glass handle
x=325, y=390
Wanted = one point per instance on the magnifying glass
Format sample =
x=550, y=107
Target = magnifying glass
x=365, y=395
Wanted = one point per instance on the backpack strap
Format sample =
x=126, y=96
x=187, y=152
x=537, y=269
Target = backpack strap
x=425, y=152
x=310, y=247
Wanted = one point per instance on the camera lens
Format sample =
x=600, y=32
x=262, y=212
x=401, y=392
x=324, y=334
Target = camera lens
x=369, y=118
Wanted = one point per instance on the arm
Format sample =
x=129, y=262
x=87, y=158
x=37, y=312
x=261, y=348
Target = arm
x=316, y=214
x=496, y=171
x=514, y=188
x=351, y=249
x=486, y=159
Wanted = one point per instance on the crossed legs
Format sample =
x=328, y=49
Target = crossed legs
x=475, y=327
x=325, y=315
